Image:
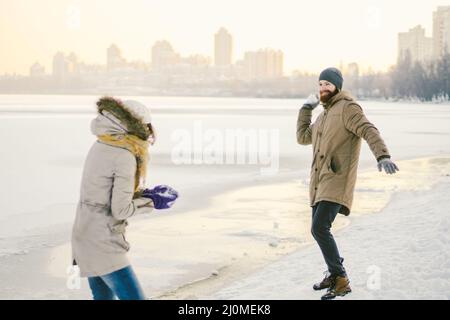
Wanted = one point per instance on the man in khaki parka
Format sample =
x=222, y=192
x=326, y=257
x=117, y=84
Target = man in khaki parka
x=336, y=140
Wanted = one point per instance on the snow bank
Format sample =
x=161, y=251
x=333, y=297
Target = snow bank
x=402, y=252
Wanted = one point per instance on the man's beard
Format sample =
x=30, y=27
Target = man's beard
x=326, y=95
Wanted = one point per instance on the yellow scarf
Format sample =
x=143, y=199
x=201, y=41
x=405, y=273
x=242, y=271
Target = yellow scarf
x=138, y=147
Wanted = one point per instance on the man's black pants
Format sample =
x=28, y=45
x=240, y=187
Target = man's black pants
x=323, y=215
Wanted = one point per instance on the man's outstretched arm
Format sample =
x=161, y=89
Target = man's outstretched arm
x=356, y=122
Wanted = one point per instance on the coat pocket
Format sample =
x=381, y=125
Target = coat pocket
x=118, y=227
x=94, y=204
x=325, y=171
x=339, y=163
x=118, y=234
x=332, y=165
x=329, y=166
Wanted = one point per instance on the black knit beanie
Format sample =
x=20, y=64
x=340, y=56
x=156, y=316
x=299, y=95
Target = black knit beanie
x=332, y=75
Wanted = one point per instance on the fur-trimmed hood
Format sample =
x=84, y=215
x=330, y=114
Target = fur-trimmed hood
x=115, y=118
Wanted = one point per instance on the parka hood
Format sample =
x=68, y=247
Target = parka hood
x=339, y=96
x=107, y=123
x=115, y=118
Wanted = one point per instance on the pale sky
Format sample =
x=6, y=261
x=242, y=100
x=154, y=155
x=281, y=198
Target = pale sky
x=312, y=34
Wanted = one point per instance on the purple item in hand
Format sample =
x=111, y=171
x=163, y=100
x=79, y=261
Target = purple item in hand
x=163, y=196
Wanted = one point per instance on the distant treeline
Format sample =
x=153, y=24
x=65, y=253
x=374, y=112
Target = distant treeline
x=424, y=81
x=407, y=80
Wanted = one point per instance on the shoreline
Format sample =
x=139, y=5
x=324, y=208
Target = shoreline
x=233, y=274
x=405, y=246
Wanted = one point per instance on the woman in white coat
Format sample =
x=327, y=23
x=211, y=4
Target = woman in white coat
x=112, y=190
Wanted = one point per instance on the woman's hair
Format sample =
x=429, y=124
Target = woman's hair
x=152, y=137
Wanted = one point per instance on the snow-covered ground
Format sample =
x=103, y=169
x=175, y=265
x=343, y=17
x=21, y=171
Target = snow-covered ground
x=402, y=252
x=397, y=232
x=230, y=220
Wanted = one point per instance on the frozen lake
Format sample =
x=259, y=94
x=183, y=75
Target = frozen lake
x=47, y=138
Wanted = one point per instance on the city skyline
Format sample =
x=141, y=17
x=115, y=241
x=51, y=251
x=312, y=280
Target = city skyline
x=262, y=62
x=22, y=45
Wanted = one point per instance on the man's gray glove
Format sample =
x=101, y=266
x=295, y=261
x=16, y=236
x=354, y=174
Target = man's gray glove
x=312, y=101
x=388, y=166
